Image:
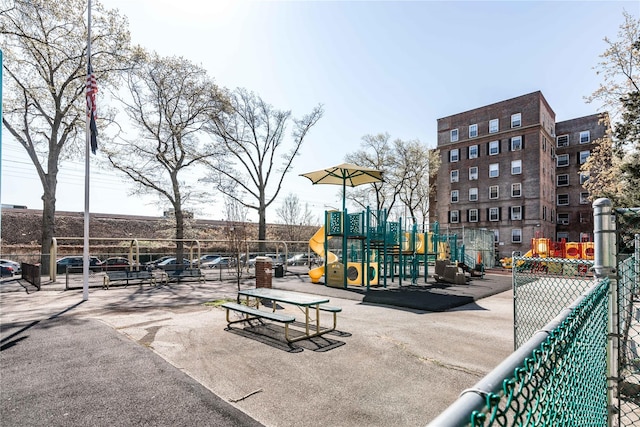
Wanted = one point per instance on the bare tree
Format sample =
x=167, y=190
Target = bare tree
x=171, y=100
x=255, y=159
x=376, y=151
x=407, y=167
x=236, y=233
x=414, y=166
x=44, y=46
x=293, y=216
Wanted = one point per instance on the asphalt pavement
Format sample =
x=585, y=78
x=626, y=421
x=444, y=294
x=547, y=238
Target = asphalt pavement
x=143, y=355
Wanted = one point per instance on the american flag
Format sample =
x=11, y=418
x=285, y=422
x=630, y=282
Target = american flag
x=92, y=89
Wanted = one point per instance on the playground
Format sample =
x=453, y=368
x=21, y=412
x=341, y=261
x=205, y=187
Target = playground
x=365, y=249
x=368, y=249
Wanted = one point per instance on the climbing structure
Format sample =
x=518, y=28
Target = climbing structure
x=365, y=249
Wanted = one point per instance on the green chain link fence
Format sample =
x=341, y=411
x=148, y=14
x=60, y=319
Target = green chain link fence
x=558, y=377
x=581, y=366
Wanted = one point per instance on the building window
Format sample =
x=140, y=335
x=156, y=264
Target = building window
x=496, y=236
x=584, y=198
x=454, y=155
x=494, y=214
x=454, y=135
x=494, y=192
x=516, y=120
x=516, y=167
x=516, y=235
x=472, y=215
x=544, y=213
x=584, y=176
x=455, y=196
x=455, y=175
x=473, y=194
x=516, y=143
x=562, y=141
x=585, y=137
x=516, y=189
x=455, y=216
x=563, y=199
x=563, y=218
x=473, y=173
x=473, y=131
x=562, y=160
x=494, y=148
x=494, y=170
x=583, y=156
x=516, y=213
x=562, y=180
x=493, y=125
x=473, y=151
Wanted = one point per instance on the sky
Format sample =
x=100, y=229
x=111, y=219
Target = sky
x=376, y=67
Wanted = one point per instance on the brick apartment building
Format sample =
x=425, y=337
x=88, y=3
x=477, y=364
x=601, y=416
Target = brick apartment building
x=510, y=168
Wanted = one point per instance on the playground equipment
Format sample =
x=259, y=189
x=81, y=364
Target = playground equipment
x=543, y=247
x=316, y=244
x=364, y=249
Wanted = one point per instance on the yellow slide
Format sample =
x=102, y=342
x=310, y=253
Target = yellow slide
x=316, y=244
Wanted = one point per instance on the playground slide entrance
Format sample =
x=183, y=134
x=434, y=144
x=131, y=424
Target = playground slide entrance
x=316, y=244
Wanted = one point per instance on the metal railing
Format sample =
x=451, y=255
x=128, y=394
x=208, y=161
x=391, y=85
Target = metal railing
x=558, y=377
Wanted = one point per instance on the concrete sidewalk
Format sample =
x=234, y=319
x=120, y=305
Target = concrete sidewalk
x=159, y=356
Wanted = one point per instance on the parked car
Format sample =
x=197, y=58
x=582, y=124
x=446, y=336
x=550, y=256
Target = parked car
x=74, y=264
x=172, y=263
x=116, y=263
x=154, y=264
x=16, y=267
x=221, y=262
x=6, y=270
x=204, y=258
x=276, y=259
x=302, y=259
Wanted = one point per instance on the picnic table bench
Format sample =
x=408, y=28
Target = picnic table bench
x=252, y=313
x=184, y=274
x=127, y=276
x=305, y=302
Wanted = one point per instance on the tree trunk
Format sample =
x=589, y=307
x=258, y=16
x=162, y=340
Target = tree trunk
x=179, y=234
x=262, y=228
x=48, y=223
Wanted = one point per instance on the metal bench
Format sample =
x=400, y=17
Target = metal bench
x=185, y=274
x=127, y=276
x=252, y=313
x=331, y=309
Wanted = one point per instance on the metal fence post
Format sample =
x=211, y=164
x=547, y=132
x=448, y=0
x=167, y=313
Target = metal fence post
x=604, y=232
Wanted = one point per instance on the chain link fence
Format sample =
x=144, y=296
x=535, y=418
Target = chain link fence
x=627, y=393
x=578, y=365
x=542, y=288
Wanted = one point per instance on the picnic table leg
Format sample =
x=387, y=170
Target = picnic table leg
x=306, y=323
x=317, y=318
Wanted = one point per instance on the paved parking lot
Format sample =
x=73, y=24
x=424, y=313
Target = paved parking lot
x=160, y=356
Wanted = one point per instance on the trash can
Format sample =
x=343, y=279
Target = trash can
x=263, y=272
x=279, y=271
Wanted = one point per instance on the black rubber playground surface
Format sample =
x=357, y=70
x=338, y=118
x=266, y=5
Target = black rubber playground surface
x=429, y=296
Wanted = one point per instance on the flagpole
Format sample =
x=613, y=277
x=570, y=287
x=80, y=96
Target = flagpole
x=85, y=252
